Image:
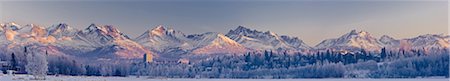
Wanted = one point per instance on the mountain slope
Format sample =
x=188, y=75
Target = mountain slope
x=62, y=39
x=390, y=42
x=429, y=41
x=170, y=41
x=61, y=31
x=164, y=40
x=352, y=41
x=110, y=37
x=215, y=43
x=258, y=40
x=107, y=42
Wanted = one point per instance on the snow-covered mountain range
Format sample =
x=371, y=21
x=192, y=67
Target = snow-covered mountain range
x=98, y=41
x=163, y=40
x=106, y=41
x=363, y=40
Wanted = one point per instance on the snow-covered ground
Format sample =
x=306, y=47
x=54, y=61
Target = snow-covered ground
x=92, y=78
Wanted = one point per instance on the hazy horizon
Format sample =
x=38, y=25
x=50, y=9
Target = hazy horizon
x=311, y=21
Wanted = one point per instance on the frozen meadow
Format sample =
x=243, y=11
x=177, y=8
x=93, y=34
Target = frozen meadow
x=133, y=78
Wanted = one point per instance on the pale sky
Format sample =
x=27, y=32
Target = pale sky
x=311, y=21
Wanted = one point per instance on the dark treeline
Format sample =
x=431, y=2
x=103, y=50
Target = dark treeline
x=362, y=64
x=267, y=64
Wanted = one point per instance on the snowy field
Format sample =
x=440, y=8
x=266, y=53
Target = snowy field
x=89, y=78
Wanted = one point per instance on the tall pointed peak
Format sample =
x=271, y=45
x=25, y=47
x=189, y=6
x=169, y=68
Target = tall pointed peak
x=12, y=23
x=221, y=35
x=13, y=26
x=358, y=33
x=363, y=33
x=36, y=26
x=104, y=28
x=353, y=31
x=61, y=27
x=111, y=28
x=242, y=28
x=62, y=24
x=94, y=26
x=386, y=37
x=159, y=28
x=270, y=33
x=352, y=40
x=30, y=25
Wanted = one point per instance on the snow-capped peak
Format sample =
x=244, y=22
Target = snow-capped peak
x=12, y=26
x=59, y=27
x=215, y=43
x=162, y=31
x=350, y=41
x=215, y=38
x=38, y=31
x=111, y=30
x=61, y=30
x=159, y=31
x=160, y=28
x=265, y=40
x=97, y=28
x=386, y=38
x=354, y=33
x=99, y=35
x=389, y=42
x=429, y=41
x=106, y=30
x=94, y=28
x=33, y=30
x=271, y=33
x=241, y=29
x=161, y=39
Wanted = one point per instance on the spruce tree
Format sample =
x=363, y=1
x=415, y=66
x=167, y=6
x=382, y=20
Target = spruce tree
x=13, y=62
